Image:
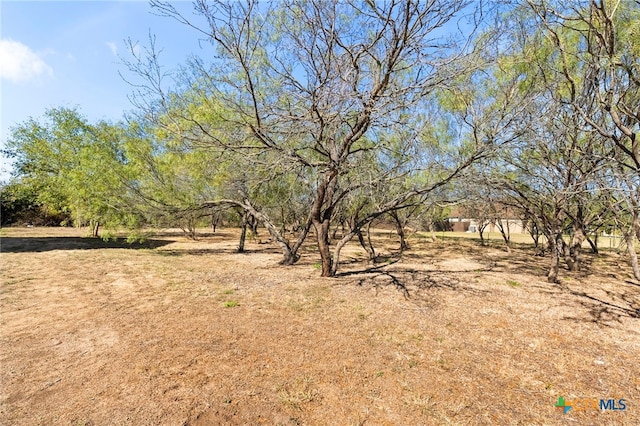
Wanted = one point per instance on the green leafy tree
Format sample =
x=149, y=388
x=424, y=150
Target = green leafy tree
x=73, y=166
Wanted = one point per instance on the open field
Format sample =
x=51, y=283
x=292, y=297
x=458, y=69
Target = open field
x=180, y=332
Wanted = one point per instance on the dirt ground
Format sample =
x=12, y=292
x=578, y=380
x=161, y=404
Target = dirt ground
x=181, y=332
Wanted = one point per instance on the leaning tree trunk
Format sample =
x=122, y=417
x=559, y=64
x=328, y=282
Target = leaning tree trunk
x=505, y=232
x=399, y=230
x=372, y=251
x=369, y=249
x=288, y=256
x=355, y=230
x=593, y=243
x=292, y=257
x=336, y=251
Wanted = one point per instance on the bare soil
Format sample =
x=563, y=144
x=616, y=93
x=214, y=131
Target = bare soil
x=181, y=332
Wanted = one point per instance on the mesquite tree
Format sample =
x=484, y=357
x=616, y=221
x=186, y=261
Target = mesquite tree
x=592, y=64
x=319, y=86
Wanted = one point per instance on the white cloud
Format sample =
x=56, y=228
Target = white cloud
x=18, y=63
x=113, y=47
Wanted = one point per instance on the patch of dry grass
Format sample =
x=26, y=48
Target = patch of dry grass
x=447, y=333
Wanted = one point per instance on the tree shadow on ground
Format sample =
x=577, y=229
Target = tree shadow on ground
x=222, y=235
x=220, y=251
x=617, y=301
x=521, y=259
x=43, y=244
x=603, y=312
x=409, y=281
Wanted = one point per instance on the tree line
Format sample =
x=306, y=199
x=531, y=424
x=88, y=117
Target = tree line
x=317, y=118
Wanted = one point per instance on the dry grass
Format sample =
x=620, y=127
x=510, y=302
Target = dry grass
x=613, y=243
x=188, y=332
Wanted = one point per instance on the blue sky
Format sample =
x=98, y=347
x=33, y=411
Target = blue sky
x=69, y=53
x=55, y=53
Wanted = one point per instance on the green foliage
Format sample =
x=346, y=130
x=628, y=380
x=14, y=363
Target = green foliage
x=108, y=236
x=136, y=237
x=322, y=124
x=72, y=166
x=19, y=205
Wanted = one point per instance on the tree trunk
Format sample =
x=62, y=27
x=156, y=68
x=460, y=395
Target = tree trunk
x=322, y=233
x=481, y=227
x=399, y=230
x=370, y=252
x=188, y=226
x=556, y=244
x=95, y=229
x=575, y=248
x=252, y=222
x=243, y=231
x=505, y=232
x=192, y=229
x=633, y=256
x=573, y=251
x=288, y=256
x=293, y=257
x=430, y=228
x=565, y=249
x=336, y=252
x=215, y=217
x=534, y=231
x=321, y=219
x=334, y=233
x=345, y=239
x=593, y=243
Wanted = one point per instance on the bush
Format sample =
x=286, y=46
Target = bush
x=19, y=206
